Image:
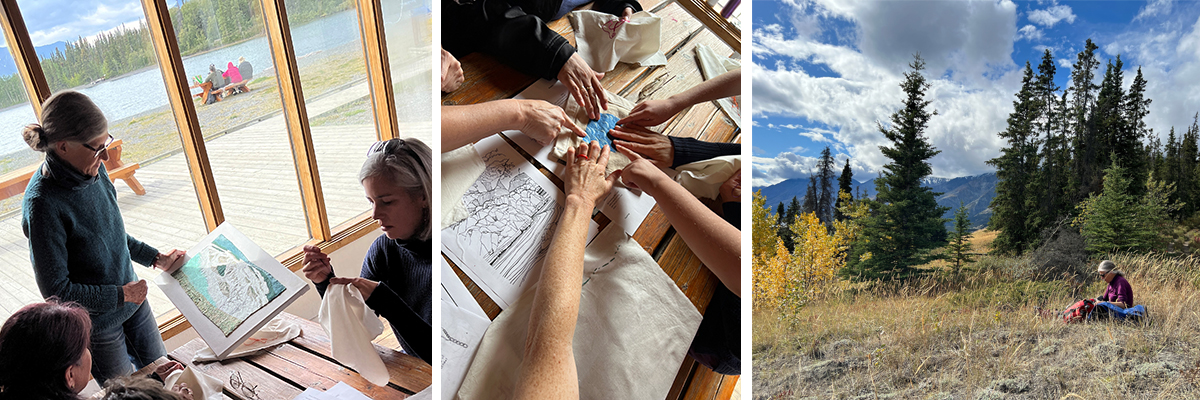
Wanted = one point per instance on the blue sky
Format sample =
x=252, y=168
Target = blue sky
x=53, y=21
x=826, y=71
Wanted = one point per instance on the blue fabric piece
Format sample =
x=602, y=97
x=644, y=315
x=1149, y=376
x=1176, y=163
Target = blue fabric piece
x=597, y=131
x=1120, y=314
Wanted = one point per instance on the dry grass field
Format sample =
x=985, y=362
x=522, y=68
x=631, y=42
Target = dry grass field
x=989, y=333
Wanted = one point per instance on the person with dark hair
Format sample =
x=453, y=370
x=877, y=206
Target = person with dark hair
x=77, y=241
x=396, y=274
x=44, y=352
x=515, y=32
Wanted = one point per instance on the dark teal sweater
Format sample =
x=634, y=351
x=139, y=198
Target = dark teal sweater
x=77, y=241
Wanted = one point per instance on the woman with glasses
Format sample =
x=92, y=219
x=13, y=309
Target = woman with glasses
x=77, y=241
x=1118, y=293
x=395, y=278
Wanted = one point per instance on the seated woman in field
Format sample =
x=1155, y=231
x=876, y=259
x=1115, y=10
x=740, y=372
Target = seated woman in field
x=1118, y=293
x=396, y=274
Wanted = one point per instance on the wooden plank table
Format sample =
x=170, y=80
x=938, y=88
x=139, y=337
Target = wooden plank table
x=284, y=371
x=486, y=79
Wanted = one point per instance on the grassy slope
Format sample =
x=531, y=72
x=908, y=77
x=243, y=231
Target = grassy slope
x=984, y=337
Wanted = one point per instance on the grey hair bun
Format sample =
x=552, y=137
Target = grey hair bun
x=35, y=137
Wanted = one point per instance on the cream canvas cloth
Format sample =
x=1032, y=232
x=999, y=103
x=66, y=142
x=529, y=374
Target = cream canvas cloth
x=203, y=387
x=704, y=178
x=460, y=168
x=712, y=65
x=617, y=106
x=275, y=332
x=633, y=330
x=605, y=39
x=351, y=326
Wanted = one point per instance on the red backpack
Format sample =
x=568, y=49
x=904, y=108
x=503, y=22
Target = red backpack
x=1078, y=311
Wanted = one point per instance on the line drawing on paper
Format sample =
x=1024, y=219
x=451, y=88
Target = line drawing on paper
x=225, y=285
x=510, y=221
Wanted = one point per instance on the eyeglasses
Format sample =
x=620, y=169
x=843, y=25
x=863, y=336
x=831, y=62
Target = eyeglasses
x=102, y=148
x=236, y=382
x=390, y=146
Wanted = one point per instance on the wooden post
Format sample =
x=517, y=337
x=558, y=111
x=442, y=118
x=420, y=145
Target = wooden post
x=158, y=19
x=296, y=116
x=720, y=26
x=24, y=54
x=379, y=73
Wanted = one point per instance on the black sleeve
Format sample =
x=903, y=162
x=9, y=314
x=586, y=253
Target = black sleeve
x=499, y=29
x=690, y=150
x=616, y=7
x=415, y=333
x=321, y=286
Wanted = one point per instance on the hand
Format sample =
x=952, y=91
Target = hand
x=316, y=264
x=542, y=121
x=585, y=173
x=452, y=72
x=167, y=368
x=640, y=173
x=365, y=286
x=655, y=147
x=584, y=85
x=651, y=112
x=731, y=190
x=627, y=13
x=171, y=261
x=135, y=292
x=183, y=391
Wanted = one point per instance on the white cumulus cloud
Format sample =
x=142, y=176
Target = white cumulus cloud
x=1051, y=16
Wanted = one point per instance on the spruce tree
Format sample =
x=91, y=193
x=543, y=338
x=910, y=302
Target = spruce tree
x=825, y=181
x=810, y=197
x=1086, y=174
x=1015, y=170
x=844, y=185
x=1046, y=201
x=958, y=251
x=905, y=222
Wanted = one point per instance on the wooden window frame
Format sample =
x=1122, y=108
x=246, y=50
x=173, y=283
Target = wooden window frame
x=166, y=49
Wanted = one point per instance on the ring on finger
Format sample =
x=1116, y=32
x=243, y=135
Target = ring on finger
x=581, y=155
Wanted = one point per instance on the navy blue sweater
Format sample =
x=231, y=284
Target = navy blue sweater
x=404, y=296
x=77, y=241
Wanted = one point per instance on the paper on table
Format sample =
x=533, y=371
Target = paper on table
x=461, y=332
x=513, y=211
x=454, y=291
x=313, y=394
x=633, y=331
x=460, y=168
x=342, y=391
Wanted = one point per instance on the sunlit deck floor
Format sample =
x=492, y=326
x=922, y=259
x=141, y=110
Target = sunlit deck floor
x=256, y=182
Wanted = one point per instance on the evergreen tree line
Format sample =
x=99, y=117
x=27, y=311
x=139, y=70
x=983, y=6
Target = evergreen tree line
x=819, y=199
x=1066, y=146
x=199, y=25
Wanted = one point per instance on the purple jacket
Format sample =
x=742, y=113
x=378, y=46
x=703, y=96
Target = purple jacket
x=1119, y=290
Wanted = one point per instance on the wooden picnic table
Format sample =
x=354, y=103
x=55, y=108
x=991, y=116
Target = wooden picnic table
x=14, y=182
x=284, y=371
x=486, y=79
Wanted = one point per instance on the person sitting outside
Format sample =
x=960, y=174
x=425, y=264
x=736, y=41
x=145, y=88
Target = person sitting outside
x=215, y=78
x=1118, y=293
x=247, y=71
x=232, y=78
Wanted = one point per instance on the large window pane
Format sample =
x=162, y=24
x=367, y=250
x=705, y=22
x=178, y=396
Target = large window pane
x=409, y=33
x=244, y=130
x=333, y=75
x=17, y=287
x=105, y=52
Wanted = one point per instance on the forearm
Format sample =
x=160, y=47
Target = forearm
x=549, y=366
x=463, y=125
x=714, y=241
x=721, y=86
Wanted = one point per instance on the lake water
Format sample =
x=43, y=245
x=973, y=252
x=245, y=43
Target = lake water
x=144, y=91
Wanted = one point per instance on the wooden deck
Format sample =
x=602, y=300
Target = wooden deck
x=256, y=181
x=486, y=79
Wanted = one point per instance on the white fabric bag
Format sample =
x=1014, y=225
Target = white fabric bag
x=632, y=333
x=203, y=387
x=605, y=39
x=351, y=326
x=275, y=332
x=704, y=178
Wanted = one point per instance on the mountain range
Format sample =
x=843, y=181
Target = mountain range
x=975, y=192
